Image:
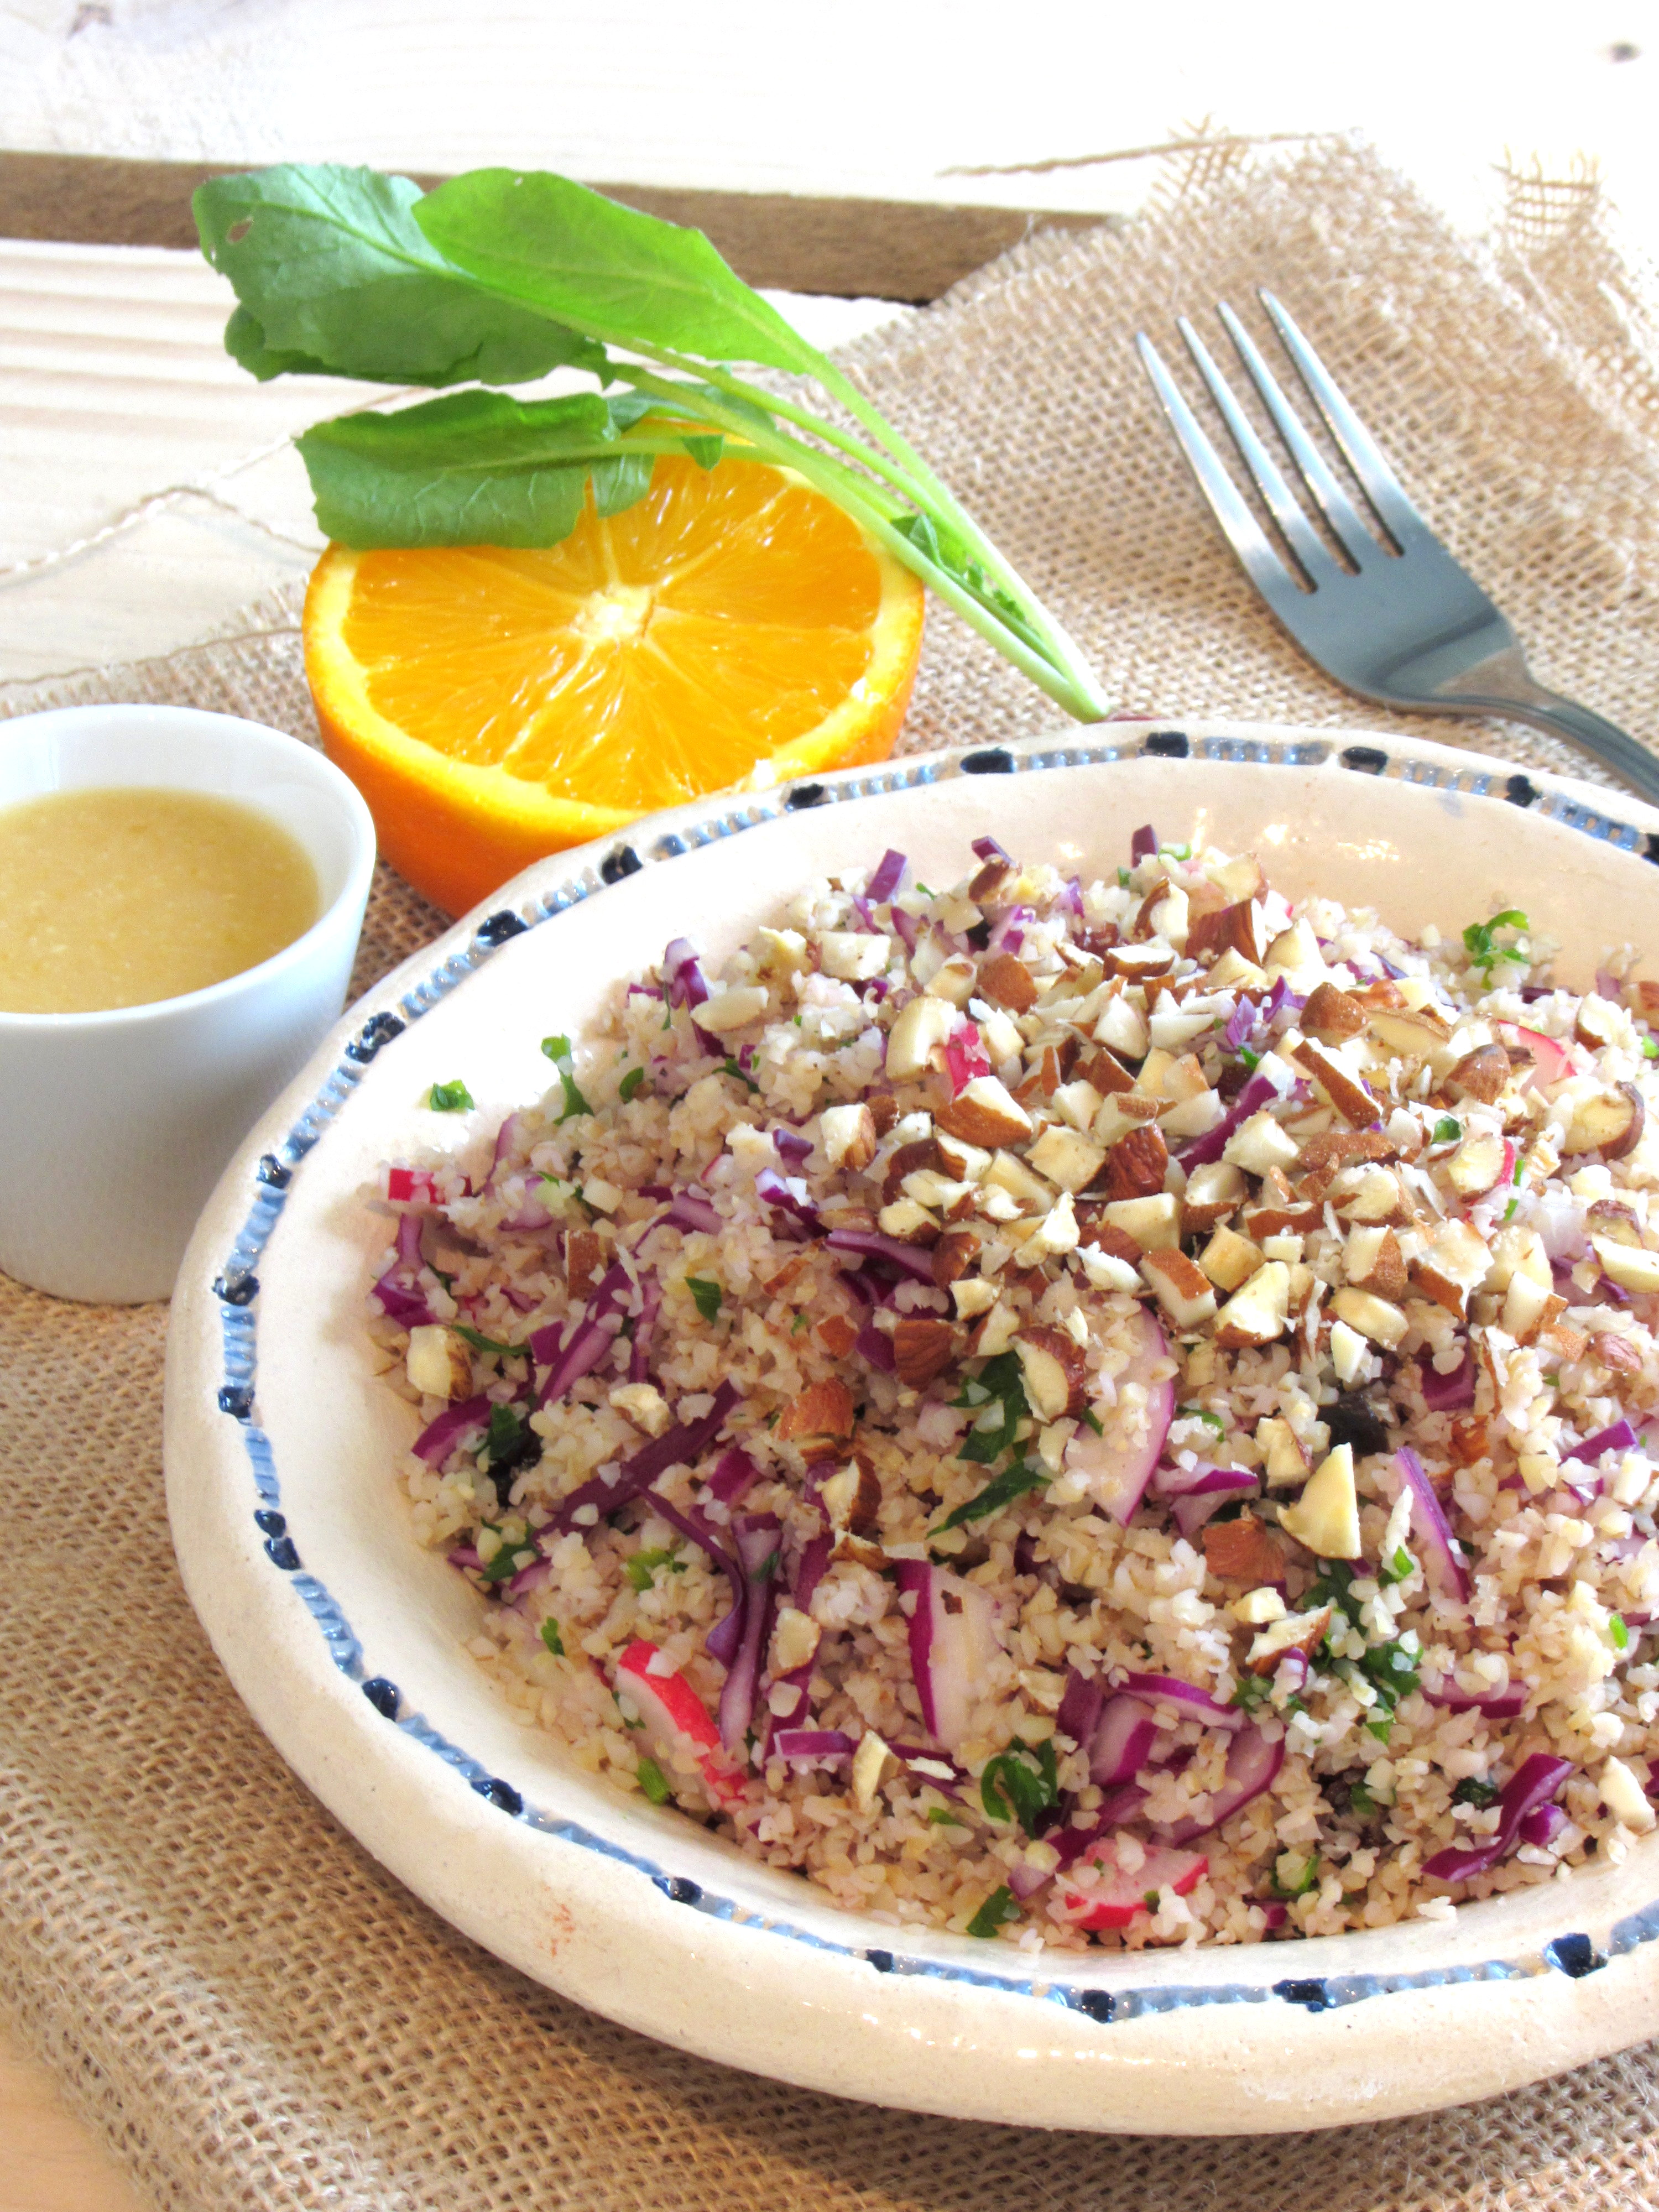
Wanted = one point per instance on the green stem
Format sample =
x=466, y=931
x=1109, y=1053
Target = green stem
x=1072, y=686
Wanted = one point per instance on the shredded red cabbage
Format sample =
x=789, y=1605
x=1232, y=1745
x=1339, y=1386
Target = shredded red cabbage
x=1079, y=1709
x=1197, y=1705
x=1531, y=1787
x=875, y=1346
x=802, y=1746
x=681, y=1446
x=787, y=1194
x=986, y=849
x=1620, y=1438
x=1448, y=1394
x=965, y=1057
x=1258, y=1093
x=645, y=1322
x=889, y=874
x=791, y=1145
x=1143, y=845
x=1506, y=1704
x=909, y=1259
x=1542, y=1826
x=810, y=1569
x=758, y=1537
x=1442, y=1558
x=1122, y=1739
x=682, y=974
x=437, y=1440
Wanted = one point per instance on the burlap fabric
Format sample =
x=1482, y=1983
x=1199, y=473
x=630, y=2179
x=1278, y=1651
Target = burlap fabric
x=252, y=2010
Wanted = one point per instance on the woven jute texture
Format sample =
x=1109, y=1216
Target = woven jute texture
x=247, y=2006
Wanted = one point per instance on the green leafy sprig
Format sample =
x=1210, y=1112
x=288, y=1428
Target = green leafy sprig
x=1480, y=943
x=499, y=276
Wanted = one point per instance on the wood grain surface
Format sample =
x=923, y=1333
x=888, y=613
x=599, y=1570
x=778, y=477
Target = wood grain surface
x=49, y=2161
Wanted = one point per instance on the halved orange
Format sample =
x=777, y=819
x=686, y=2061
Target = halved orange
x=733, y=627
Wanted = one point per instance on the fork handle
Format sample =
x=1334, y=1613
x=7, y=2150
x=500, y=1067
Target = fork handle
x=1565, y=718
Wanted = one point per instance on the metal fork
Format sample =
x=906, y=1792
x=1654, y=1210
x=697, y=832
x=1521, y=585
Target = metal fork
x=1406, y=625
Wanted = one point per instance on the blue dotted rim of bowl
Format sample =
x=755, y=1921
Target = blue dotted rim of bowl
x=1570, y=1954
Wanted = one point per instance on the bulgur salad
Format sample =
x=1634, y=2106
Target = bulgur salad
x=1111, y=1412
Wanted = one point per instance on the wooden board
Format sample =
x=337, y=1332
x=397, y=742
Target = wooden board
x=851, y=248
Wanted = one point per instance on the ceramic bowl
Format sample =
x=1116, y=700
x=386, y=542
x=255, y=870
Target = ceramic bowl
x=345, y=1637
x=118, y=1123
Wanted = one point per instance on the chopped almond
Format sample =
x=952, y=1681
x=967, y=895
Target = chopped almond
x=1292, y=1632
x=1236, y=927
x=1345, y=1089
x=1374, y=1317
x=1230, y=1259
x=1214, y=1193
x=583, y=1261
x=1567, y=1344
x=1372, y=1260
x=1627, y=1265
x=1338, y=1148
x=1053, y=1371
x=1283, y=1220
x=1136, y=963
x=990, y=881
x=1483, y=1074
x=1598, y=1022
x=924, y=1022
x=837, y=1335
x=923, y=1346
x=1286, y=1458
x=1093, y=1228
x=1616, y=1353
x=1072, y=1160
x=982, y=1112
x=1152, y=1222
x=1468, y=1440
x=1006, y=981
x=1331, y=1015
x=1257, y=1313
x=923, y=1153
x=437, y=1362
x=823, y=1409
x=1180, y=1287
x=1610, y=1122
x=955, y=1253
x=1242, y=1551
x=1454, y=1265
x=1137, y=1164
x=884, y=1111
x=1106, y=1072
x=787, y=1277
x=851, y=1498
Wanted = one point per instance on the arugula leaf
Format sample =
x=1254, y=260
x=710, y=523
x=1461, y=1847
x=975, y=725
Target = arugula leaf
x=450, y=1098
x=335, y=278
x=1002, y=1490
x=707, y=1295
x=630, y=1084
x=653, y=1783
x=551, y=1637
x=1020, y=1785
x=557, y=1049
x=499, y=276
x=997, y=1911
x=1479, y=942
x=478, y=467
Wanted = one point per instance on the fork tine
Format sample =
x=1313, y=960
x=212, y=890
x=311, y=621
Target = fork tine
x=1339, y=511
x=1244, y=533
x=1300, y=535
x=1377, y=480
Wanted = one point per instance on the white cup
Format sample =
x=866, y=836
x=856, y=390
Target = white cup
x=114, y=1126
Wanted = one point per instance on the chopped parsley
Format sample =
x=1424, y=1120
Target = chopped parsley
x=630, y=1084
x=500, y=1569
x=1382, y=1729
x=1092, y=1420
x=652, y=1781
x=1002, y=1490
x=731, y=1067
x=1650, y=1050
x=1252, y=1060
x=557, y=1049
x=641, y=1569
x=1020, y=1785
x=551, y=1637
x=1253, y=1690
x=1202, y=1413
x=480, y=1342
x=1332, y=1589
x=1447, y=1130
x=1396, y=1567
x=1123, y=879
x=1474, y=1791
x=801, y=1322
x=999, y=1380
x=450, y=1098
x=1480, y=942
x=938, y=1817
x=1306, y=1881
x=707, y=1295
x=509, y=1436
x=998, y=1909
x=1618, y=1632
x=1361, y=1802
x=1391, y=1670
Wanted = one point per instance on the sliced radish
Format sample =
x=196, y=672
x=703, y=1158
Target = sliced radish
x=411, y=1187
x=1553, y=1060
x=1118, y=1465
x=1100, y=1893
x=953, y=1642
x=677, y=1720
x=1252, y=1765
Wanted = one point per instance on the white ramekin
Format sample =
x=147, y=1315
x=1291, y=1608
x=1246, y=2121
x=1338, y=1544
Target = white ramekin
x=116, y=1126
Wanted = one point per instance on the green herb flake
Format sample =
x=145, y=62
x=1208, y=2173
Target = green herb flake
x=1474, y=1791
x=1382, y=1729
x=1020, y=1785
x=1251, y=1060
x=507, y=1431
x=499, y=1568
x=551, y=1637
x=1396, y=1567
x=1002, y=1490
x=1306, y=1881
x=995, y=1914
x=706, y=1295
x=480, y=1342
x=1123, y=879
x=1484, y=953
x=630, y=1083
x=1252, y=1690
x=652, y=1780
x=938, y=1817
x=731, y=1067
x=450, y=1098
x=1153, y=1899
x=1001, y=1379
x=557, y=1049
x=1447, y=1130
x=1618, y=1632
x=641, y=1569
x=1650, y=1050
x=1361, y=1801
x=1092, y=1420
x=1509, y=1210
x=1392, y=1672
